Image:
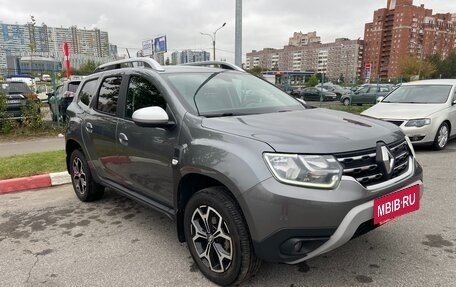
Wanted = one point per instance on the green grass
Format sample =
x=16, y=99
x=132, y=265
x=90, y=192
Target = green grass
x=32, y=164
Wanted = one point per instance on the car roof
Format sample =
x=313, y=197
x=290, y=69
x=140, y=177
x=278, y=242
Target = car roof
x=148, y=64
x=432, y=82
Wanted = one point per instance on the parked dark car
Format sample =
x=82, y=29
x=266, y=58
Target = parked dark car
x=18, y=94
x=248, y=172
x=336, y=89
x=62, y=98
x=366, y=94
x=313, y=94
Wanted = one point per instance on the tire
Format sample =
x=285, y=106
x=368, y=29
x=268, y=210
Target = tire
x=346, y=102
x=84, y=186
x=214, y=208
x=442, y=136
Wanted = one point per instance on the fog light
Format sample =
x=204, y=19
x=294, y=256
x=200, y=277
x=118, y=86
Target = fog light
x=297, y=247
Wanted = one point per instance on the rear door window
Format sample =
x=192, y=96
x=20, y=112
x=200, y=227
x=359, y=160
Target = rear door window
x=88, y=91
x=108, y=95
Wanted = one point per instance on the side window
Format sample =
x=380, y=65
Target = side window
x=88, y=91
x=108, y=95
x=141, y=94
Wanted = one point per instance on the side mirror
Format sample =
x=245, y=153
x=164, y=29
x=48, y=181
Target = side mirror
x=150, y=116
x=379, y=99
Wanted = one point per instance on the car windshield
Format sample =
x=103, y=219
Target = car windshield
x=227, y=93
x=419, y=94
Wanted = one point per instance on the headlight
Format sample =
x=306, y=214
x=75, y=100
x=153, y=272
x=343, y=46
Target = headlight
x=418, y=123
x=318, y=171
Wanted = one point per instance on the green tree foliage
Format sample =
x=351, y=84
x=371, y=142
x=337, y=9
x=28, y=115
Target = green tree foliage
x=86, y=68
x=312, y=81
x=445, y=68
x=256, y=71
x=411, y=66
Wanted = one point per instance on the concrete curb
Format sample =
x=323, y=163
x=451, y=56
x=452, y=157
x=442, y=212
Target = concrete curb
x=34, y=182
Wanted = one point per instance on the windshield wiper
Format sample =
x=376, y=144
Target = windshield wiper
x=202, y=85
x=219, y=115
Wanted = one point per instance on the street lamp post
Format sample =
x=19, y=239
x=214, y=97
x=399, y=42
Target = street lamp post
x=213, y=38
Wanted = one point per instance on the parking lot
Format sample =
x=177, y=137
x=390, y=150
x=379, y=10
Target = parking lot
x=49, y=238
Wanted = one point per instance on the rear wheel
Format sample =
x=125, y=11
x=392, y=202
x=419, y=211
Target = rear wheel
x=346, y=102
x=84, y=186
x=442, y=136
x=218, y=238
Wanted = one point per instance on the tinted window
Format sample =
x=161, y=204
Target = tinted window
x=142, y=93
x=87, y=92
x=109, y=93
x=17, y=88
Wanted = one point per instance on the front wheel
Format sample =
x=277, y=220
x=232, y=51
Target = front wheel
x=442, y=136
x=346, y=102
x=218, y=239
x=84, y=186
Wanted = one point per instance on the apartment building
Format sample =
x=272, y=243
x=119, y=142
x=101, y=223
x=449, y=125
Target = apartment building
x=340, y=59
x=403, y=29
x=189, y=56
x=15, y=40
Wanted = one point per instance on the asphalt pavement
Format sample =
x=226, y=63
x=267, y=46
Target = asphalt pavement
x=49, y=238
x=16, y=147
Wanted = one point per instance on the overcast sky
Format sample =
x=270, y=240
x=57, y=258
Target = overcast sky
x=266, y=23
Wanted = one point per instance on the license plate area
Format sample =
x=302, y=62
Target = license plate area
x=13, y=101
x=396, y=204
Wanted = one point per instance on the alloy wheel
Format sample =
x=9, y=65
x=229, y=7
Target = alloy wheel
x=442, y=136
x=211, y=239
x=79, y=176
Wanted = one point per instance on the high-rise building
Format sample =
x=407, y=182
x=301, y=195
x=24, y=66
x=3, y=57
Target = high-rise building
x=340, y=59
x=189, y=56
x=300, y=39
x=16, y=40
x=403, y=29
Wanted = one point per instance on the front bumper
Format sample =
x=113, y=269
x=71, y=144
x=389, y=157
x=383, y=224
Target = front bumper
x=291, y=224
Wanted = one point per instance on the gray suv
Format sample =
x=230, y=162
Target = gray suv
x=247, y=172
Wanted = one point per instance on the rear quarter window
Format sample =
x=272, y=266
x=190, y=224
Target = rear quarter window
x=88, y=91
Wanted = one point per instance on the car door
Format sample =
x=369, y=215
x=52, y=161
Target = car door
x=99, y=126
x=146, y=152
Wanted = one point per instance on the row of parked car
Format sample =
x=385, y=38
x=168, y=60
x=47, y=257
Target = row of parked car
x=18, y=93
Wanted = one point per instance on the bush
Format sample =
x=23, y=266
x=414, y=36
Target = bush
x=6, y=123
x=32, y=115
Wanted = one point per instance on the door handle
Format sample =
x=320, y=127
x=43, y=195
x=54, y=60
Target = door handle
x=123, y=139
x=89, y=127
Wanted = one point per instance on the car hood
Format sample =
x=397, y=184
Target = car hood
x=314, y=131
x=402, y=111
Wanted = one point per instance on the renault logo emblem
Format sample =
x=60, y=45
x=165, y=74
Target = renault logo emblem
x=385, y=159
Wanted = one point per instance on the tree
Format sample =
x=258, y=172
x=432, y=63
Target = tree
x=312, y=81
x=411, y=66
x=86, y=68
x=256, y=71
x=447, y=69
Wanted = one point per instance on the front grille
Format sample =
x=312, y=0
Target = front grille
x=362, y=165
x=397, y=123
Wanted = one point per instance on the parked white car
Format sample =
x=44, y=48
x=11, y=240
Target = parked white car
x=424, y=110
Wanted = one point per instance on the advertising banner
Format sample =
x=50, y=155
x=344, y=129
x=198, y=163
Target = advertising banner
x=160, y=44
x=148, y=47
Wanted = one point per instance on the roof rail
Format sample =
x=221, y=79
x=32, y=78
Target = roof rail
x=131, y=62
x=216, y=64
